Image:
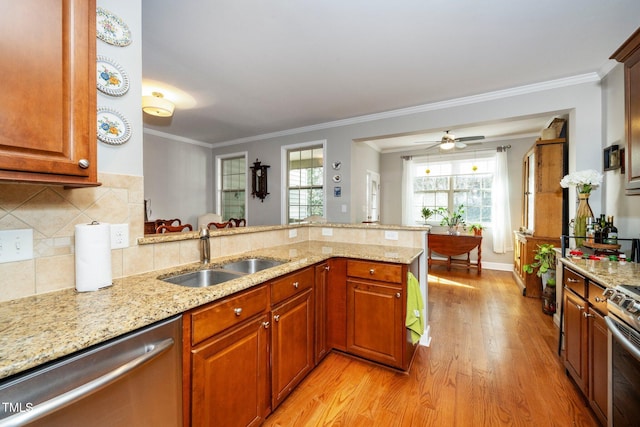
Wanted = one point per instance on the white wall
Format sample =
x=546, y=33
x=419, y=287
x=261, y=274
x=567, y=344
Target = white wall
x=364, y=158
x=125, y=159
x=178, y=179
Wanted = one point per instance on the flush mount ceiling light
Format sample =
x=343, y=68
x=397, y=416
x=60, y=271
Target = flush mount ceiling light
x=156, y=105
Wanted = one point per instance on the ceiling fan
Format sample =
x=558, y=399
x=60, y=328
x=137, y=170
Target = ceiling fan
x=449, y=141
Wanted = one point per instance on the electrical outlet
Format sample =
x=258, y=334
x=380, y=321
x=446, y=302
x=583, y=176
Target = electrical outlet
x=119, y=236
x=391, y=235
x=16, y=245
x=327, y=231
x=293, y=233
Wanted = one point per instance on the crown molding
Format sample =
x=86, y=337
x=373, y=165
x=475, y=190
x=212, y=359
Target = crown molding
x=441, y=105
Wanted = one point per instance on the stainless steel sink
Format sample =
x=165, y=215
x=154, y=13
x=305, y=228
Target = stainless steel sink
x=203, y=278
x=224, y=273
x=251, y=265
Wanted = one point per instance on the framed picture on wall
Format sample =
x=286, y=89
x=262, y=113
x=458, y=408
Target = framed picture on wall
x=612, y=158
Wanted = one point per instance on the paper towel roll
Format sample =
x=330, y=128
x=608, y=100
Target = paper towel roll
x=93, y=256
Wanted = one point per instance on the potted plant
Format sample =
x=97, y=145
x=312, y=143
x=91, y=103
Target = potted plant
x=477, y=229
x=545, y=261
x=426, y=213
x=453, y=220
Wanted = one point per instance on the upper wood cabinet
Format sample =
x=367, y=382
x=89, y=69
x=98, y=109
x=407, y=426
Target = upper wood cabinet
x=48, y=100
x=544, y=205
x=629, y=55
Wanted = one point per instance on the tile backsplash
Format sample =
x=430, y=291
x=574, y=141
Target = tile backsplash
x=52, y=213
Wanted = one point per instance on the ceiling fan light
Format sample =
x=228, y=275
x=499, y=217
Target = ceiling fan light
x=156, y=105
x=447, y=145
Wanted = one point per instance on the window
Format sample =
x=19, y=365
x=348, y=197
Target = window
x=233, y=187
x=305, y=183
x=452, y=183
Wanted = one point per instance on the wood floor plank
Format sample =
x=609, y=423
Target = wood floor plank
x=492, y=362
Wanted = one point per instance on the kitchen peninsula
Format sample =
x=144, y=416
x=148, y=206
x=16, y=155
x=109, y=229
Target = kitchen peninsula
x=41, y=328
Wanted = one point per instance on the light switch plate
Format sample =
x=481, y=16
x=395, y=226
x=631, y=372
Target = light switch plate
x=16, y=245
x=119, y=236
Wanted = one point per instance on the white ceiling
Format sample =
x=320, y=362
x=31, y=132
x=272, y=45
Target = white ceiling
x=237, y=69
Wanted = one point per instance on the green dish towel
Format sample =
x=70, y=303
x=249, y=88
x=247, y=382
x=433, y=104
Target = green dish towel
x=414, y=321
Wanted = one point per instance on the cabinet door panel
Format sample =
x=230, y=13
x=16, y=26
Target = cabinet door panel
x=598, y=361
x=575, y=336
x=230, y=377
x=48, y=108
x=374, y=321
x=292, y=344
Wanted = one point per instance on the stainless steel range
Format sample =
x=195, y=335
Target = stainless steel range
x=623, y=322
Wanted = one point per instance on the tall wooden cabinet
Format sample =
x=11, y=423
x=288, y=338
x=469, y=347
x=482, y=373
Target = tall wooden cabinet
x=544, y=207
x=48, y=101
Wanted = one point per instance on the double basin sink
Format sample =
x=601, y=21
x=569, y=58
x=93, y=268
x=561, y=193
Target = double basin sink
x=223, y=273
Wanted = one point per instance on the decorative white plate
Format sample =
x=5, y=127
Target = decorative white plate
x=111, y=77
x=111, y=29
x=113, y=128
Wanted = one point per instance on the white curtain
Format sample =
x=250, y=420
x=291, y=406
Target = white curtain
x=501, y=212
x=407, y=191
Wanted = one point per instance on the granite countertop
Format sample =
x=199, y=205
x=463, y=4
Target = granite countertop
x=41, y=328
x=605, y=272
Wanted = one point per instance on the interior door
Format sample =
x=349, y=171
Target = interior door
x=373, y=196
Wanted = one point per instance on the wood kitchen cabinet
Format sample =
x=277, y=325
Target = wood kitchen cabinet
x=292, y=335
x=48, y=101
x=585, y=339
x=226, y=363
x=629, y=55
x=336, y=327
x=376, y=310
x=320, y=300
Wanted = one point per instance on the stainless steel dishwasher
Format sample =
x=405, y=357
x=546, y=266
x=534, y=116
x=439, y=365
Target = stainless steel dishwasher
x=133, y=380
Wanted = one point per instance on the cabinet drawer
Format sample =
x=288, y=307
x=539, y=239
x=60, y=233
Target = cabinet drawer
x=290, y=285
x=597, y=301
x=231, y=311
x=375, y=271
x=575, y=282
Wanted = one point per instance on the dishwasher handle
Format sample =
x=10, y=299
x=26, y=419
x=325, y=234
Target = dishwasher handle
x=619, y=336
x=45, y=408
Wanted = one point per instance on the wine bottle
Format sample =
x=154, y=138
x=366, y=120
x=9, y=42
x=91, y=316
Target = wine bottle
x=612, y=232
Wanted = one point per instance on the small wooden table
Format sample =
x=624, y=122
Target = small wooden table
x=452, y=245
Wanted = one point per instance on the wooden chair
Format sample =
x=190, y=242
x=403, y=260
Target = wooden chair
x=226, y=224
x=173, y=228
x=238, y=222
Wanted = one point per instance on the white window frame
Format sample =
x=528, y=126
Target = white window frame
x=218, y=175
x=284, y=178
x=424, y=162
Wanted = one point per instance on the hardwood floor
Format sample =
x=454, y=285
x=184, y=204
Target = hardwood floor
x=493, y=361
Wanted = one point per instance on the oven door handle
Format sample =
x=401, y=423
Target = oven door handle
x=624, y=342
x=45, y=408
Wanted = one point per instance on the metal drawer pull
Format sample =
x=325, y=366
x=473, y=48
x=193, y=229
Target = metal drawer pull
x=372, y=271
x=579, y=307
x=84, y=163
x=570, y=280
x=327, y=268
x=266, y=325
x=276, y=317
x=598, y=299
x=587, y=315
x=237, y=311
x=398, y=295
x=295, y=285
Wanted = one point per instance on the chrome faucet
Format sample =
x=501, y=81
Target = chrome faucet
x=205, y=247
